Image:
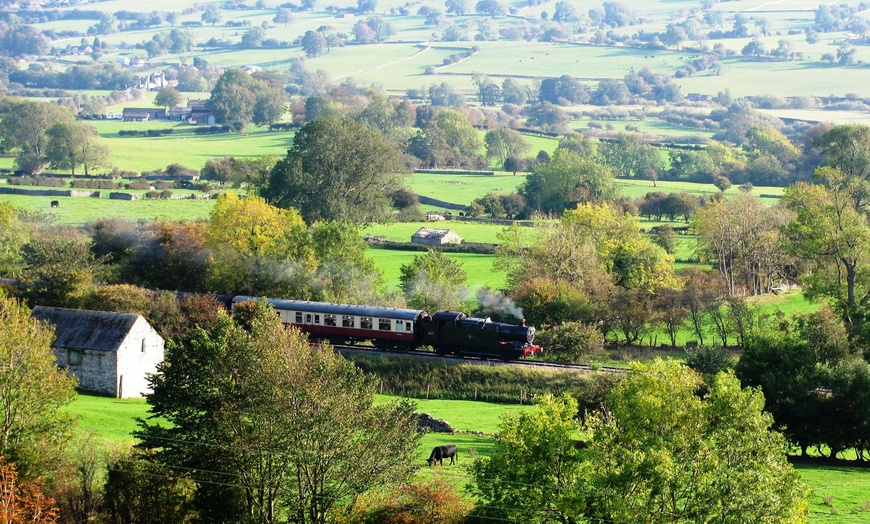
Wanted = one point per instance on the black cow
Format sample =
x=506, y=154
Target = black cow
x=55, y=203
x=442, y=452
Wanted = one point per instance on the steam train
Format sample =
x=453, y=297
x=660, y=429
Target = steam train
x=447, y=332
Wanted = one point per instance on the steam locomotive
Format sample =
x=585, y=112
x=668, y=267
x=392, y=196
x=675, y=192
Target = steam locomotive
x=447, y=332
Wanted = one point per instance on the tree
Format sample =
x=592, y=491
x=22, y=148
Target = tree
x=58, y=271
x=168, y=97
x=24, y=128
x=662, y=453
x=13, y=235
x=536, y=473
x=336, y=170
x=140, y=489
x=743, y=238
x=460, y=135
x=566, y=181
x=242, y=98
x=32, y=391
x=75, y=143
x=295, y=424
x=492, y=8
x=211, y=15
x=258, y=249
x=22, y=500
x=253, y=38
x=458, y=7
x=789, y=391
x=284, y=16
x=366, y=6
x=434, y=282
x=313, y=43
x=505, y=142
x=630, y=156
x=831, y=234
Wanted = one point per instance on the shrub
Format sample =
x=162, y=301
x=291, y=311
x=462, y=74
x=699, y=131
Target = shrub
x=570, y=341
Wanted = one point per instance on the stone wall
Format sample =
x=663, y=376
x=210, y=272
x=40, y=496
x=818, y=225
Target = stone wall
x=429, y=424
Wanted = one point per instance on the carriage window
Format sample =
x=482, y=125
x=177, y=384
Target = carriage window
x=384, y=324
x=408, y=327
x=365, y=323
x=308, y=318
x=347, y=321
x=400, y=326
x=317, y=319
x=329, y=320
x=298, y=317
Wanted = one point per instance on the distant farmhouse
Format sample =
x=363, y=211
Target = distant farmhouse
x=141, y=114
x=428, y=236
x=109, y=353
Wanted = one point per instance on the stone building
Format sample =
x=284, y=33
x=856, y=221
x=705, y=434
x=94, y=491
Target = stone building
x=435, y=237
x=109, y=353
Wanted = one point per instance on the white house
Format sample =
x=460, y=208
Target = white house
x=109, y=353
x=435, y=237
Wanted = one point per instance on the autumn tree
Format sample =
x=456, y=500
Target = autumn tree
x=631, y=157
x=336, y=170
x=59, y=270
x=434, y=282
x=32, y=392
x=256, y=248
x=22, y=500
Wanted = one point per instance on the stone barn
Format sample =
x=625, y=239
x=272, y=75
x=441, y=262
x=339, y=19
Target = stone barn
x=109, y=353
x=435, y=237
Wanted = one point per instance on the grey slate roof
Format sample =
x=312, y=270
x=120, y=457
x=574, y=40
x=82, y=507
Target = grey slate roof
x=81, y=329
x=428, y=232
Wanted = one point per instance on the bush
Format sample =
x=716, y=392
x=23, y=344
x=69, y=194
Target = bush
x=570, y=341
x=138, y=184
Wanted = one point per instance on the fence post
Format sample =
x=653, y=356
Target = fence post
x=427, y=391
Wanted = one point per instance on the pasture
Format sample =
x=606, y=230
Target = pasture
x=839, y=495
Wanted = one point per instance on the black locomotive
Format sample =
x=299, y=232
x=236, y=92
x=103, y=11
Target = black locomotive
x=447, y=332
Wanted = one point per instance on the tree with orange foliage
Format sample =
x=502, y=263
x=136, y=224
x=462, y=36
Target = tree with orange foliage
x=22, y=501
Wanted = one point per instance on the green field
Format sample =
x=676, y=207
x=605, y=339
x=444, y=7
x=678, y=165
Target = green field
x=840, y=495
x=477, y=266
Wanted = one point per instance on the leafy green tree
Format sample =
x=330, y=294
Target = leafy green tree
x=142, y=490
x=571, y=341
x=631, y=157
x=664, y=454
x=13, y=235
x=830, y=232
x=336, y=170
x=242, y=98
x=784, y=367
x=344, y=273
x=295, y=425
x=284, y=16
x=59, y=271
x=460, y=135
x=24, y=129
x=566, y=181
x=504, y=142
x=32, y=392
x=211, y=15
x=313, y=43
x=75, y=143
x=253, y=38
x=168, y=97
x=536, y=473
x=434, y=282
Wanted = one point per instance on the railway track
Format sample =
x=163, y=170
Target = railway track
x=344, y=349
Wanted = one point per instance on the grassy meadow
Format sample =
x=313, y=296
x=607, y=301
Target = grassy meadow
x=839, y=495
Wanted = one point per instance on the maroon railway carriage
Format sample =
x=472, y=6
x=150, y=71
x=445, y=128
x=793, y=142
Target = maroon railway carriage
x=343, y=323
